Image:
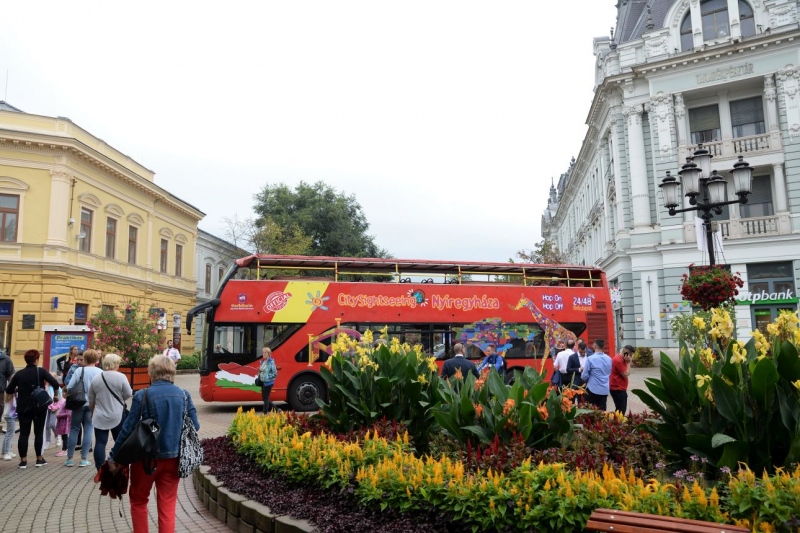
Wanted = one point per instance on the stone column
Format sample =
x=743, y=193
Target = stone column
x=697, y=23
x=58, y=214
x=615, y=146
x=680, y=122
x=150, y=239
x=779, y=182
x=733, y=16
x=771, y=103
x=640, y=198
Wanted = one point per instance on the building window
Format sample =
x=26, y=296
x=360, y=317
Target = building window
x=746, y=19
x=164, y=245
x=747, y=117
x=687, y=39
x=704, y=124
x=81, y=314
x=759, y=203
x=208, y=279
x=106, y=308
x=133, y=232
x=9, y=213
x=111, y=237
x=86, y=230
x=178, y=260
x=715, y=19
x=220, y=274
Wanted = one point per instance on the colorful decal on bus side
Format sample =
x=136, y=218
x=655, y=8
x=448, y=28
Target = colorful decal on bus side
x=501, y=334
x=554, y=333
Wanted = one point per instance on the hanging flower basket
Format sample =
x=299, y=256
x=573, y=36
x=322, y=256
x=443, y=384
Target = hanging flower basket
x=710, y=286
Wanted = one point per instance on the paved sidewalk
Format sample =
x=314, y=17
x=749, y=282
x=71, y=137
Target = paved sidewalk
x=55, y=498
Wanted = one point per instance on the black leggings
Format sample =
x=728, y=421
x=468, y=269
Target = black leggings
x=265, y=391
x=25, y=433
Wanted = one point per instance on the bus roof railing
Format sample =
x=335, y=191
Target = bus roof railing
x=402, y=270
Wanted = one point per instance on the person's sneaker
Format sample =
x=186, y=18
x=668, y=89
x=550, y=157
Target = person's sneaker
x=58, y=441
x=69, y=462
x=23, y=464
x=62, y=453
x=7, y=457
x=13, y=455
x=46, y=445
x=84, y=462
x=41, y=462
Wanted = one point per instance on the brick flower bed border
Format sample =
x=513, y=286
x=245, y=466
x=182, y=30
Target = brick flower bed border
x=239, y=513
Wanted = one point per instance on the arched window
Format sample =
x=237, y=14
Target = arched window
x=746, y=19
x=715, y=19
x=687, y=41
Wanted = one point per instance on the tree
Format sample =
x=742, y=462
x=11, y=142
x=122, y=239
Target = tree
x=333, y=221
x=544, y=252
x=269, y=238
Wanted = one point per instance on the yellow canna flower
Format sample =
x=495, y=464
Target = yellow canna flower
x=702, y=379
x=699, y=323
x=796, y=384
x=739, y=353
x=422, y=379
x=367, y=337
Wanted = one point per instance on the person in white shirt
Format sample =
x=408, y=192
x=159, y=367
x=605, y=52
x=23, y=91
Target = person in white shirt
x=172, y=353
x=562, y=358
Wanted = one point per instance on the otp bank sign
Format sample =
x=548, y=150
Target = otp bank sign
x=764, y=296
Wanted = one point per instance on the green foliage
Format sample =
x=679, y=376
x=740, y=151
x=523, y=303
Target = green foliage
x=127, y=332
x=731, y=403
x=334, y=221
x=643, y=357
x=189, y=362
x=544, y=252
x=478, y=411
x=771, y=500
x=393, y=382
x=682, y=326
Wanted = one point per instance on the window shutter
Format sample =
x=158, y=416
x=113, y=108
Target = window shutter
x=704, y=118
x=762, y=190
x=748, y=111
x=597, y=324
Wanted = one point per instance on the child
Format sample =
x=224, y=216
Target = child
x=52, y=420
x=64, y=420
x=10, y=414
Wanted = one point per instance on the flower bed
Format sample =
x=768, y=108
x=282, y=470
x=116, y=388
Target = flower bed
x=384, y=474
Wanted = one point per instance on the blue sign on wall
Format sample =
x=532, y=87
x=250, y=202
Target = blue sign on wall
x=5, y=309
x=81, y=311
x=60, y=343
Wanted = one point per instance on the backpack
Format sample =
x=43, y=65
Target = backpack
x=40, y=398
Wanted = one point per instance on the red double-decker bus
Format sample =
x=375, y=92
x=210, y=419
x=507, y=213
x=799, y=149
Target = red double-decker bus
x=297, y=305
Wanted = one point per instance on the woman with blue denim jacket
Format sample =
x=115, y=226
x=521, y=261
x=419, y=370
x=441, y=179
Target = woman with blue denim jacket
x=165, y=404
x=267, y=372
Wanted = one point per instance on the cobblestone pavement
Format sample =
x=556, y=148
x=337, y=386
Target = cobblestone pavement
x=54, y=498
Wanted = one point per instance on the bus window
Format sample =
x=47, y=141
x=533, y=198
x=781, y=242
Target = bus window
x=511, y=340
x=237, y=343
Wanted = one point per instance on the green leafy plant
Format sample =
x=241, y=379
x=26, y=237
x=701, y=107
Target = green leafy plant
x=393, y=381
x=189, y=362
x=731, y=402
x=128, y=332
x=643, y=357
x=477, y=411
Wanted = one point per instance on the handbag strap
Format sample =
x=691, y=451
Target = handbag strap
x=114, y=394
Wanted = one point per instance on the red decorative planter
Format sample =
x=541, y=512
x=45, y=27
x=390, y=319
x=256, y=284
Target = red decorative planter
x=137, y=376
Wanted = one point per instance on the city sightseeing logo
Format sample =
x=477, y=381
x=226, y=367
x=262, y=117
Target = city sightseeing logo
x=242, y=304
x=276, y=301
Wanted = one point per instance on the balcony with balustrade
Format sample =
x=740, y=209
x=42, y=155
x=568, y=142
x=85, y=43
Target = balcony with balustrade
x=752, y=145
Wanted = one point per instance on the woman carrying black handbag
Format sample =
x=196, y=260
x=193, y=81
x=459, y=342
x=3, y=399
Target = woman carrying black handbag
x=166, y=405
x=25, y=383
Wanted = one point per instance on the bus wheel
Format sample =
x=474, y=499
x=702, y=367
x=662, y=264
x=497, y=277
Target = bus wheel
x=304, y=391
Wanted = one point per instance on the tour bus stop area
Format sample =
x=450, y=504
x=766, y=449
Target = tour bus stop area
x=57, y=498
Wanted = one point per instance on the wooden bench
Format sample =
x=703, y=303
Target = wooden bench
x=627, y=522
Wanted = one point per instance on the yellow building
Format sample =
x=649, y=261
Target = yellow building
x=83, y=226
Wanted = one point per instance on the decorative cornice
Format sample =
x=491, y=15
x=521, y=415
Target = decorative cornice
x=60, y=146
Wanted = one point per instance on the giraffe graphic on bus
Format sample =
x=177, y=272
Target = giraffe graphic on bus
x=554, y=333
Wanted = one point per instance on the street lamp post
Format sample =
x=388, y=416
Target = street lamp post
x=705, y=189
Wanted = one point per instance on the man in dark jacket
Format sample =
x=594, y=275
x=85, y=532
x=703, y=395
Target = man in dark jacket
x=459, y=362
x=6, y=371
x=575, y=364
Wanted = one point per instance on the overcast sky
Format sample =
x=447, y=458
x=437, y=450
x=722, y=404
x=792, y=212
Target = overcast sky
x=446, y=119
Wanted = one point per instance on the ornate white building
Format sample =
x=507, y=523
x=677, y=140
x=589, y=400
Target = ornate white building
x=214, y=257
x=724, y=73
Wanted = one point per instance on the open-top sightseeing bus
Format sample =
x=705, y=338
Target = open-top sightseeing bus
x=297, y=305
